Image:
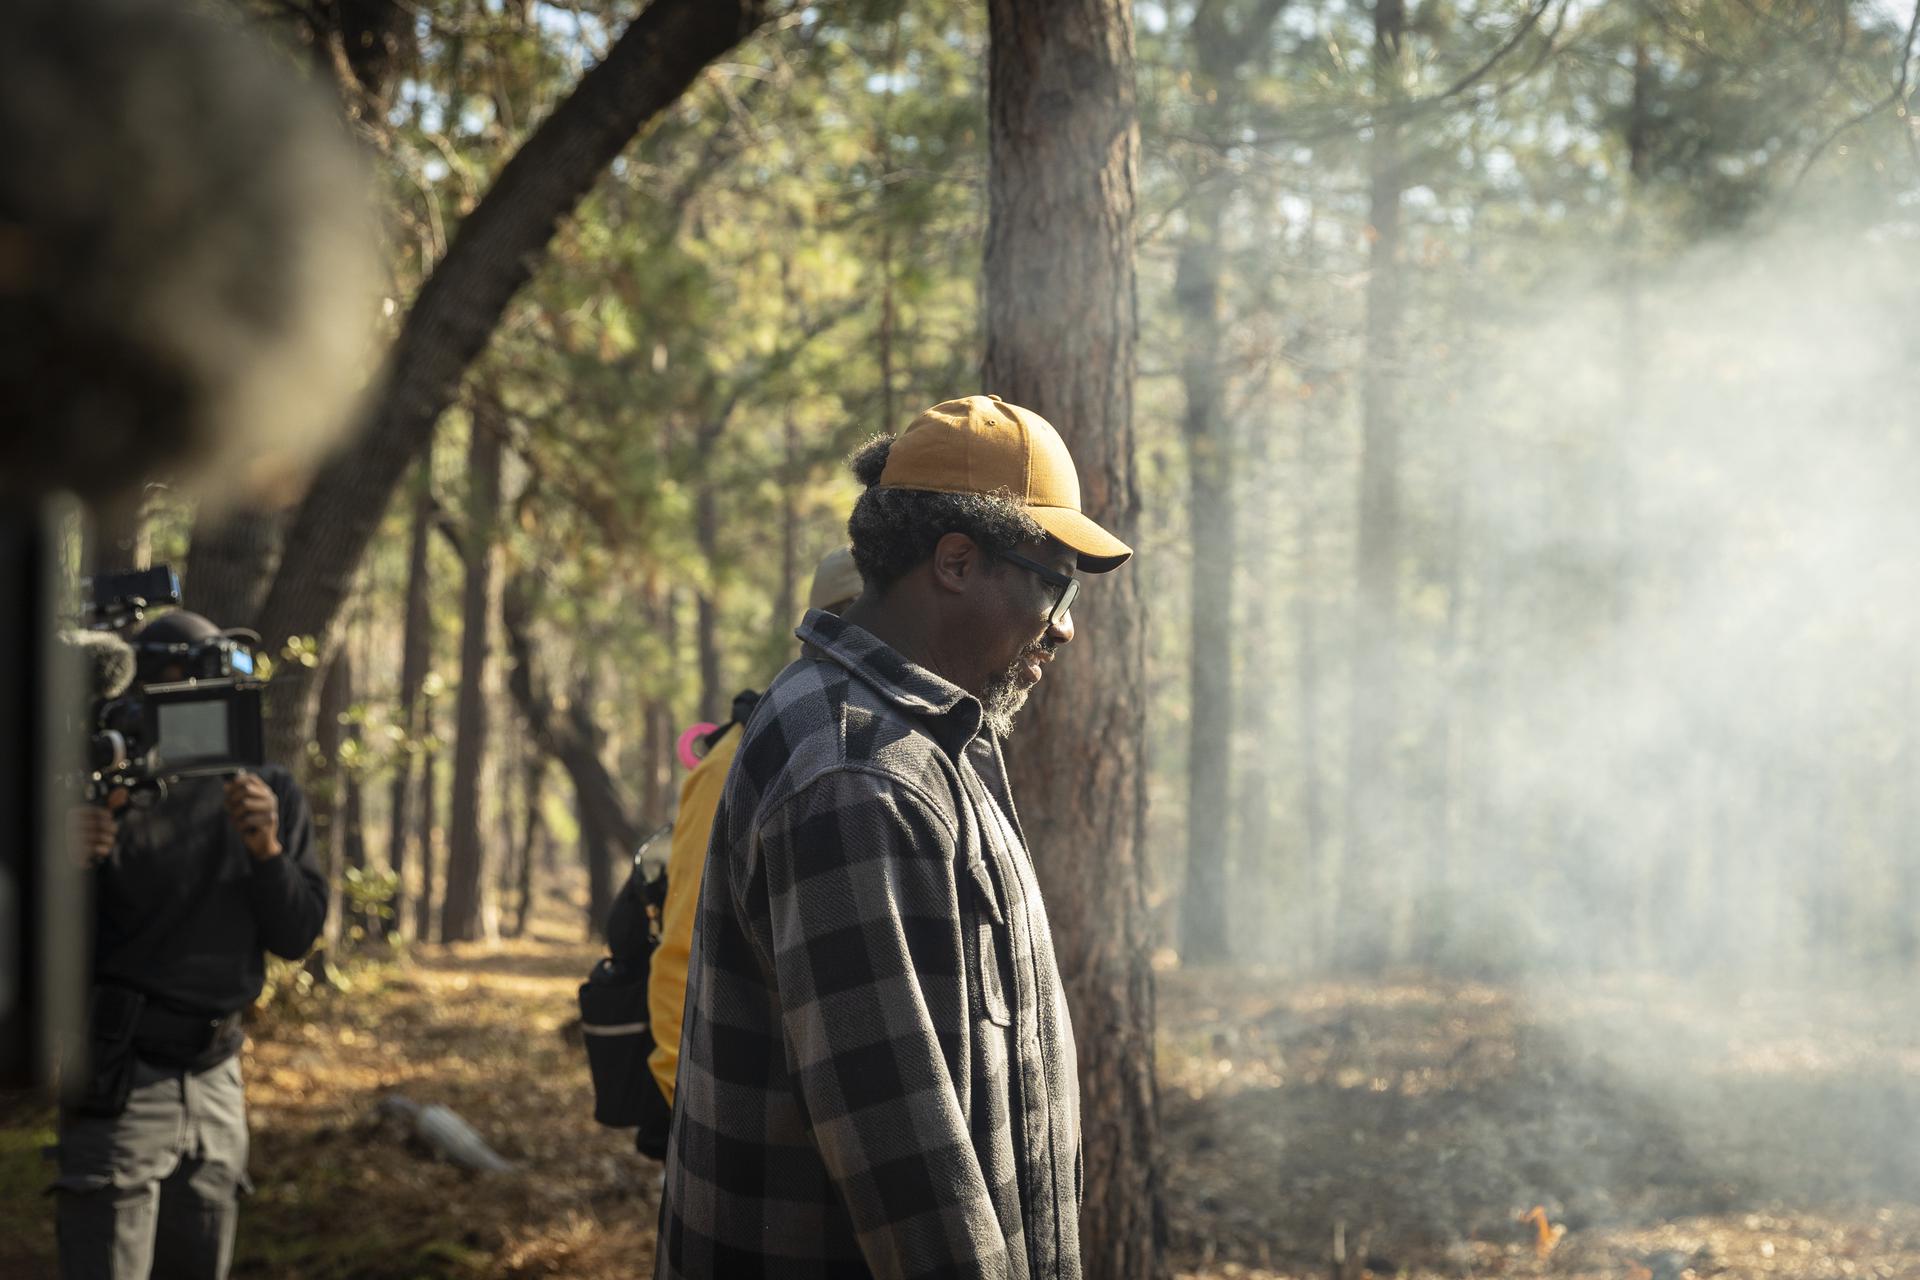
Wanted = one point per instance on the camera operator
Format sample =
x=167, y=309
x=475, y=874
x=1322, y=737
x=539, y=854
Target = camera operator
x=189, y=891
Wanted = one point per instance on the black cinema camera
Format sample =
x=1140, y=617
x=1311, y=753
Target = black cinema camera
x=196, y=708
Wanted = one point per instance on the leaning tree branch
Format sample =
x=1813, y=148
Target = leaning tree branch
x=1897, y=96
x=491, y=258
x=568, y=736
x=1499, y=55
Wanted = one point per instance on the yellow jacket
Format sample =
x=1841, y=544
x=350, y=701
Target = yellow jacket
x=686, y=859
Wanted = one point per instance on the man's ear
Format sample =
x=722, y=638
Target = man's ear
x=956, y=562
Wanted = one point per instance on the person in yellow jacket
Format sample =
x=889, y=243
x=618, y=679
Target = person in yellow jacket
x=836, y=584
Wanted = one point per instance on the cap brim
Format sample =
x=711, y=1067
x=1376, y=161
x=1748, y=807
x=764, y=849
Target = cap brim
x=1100, y=551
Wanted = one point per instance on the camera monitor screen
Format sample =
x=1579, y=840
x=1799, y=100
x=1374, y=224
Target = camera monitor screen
x=193, y=733
x=206, y=726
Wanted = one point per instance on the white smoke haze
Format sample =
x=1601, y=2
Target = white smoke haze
x=1709, y=789
x=1703, y=627
x=1671, y=1001
x=1683, y=803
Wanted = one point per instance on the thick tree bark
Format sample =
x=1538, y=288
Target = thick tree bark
x=494, y=254
x=1367, y=902
x=416, y=652
x=460, y=914
x=1063, y=152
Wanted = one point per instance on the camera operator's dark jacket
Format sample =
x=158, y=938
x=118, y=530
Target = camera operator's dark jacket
x=184, y=912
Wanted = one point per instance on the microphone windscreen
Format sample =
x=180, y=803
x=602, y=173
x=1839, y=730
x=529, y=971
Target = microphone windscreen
x=109, y=660
x=188, y=282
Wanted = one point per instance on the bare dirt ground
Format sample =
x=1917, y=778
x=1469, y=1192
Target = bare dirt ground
x=1663, y=1133
x=1660, y=1133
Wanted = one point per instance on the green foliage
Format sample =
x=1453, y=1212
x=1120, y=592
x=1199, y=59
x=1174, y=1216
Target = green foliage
x=368, y=895
x=26, y=1223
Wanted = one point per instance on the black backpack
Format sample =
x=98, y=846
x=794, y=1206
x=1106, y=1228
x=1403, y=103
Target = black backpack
x=614, y=1016
x=614, y=1019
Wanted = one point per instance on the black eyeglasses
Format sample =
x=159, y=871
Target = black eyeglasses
x=1068, y=584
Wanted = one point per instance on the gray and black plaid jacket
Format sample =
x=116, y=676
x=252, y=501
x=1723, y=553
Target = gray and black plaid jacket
x=877, y=1072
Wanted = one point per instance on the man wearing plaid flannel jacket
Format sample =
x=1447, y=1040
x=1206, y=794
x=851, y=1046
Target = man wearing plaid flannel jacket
x=877, y=1072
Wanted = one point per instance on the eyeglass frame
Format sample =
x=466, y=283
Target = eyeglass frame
x=1068, y=584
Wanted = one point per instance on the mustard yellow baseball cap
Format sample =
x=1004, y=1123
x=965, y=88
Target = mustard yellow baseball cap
x=982, y=444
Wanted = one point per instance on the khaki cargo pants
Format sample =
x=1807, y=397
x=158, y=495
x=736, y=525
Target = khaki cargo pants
x=155, y=1190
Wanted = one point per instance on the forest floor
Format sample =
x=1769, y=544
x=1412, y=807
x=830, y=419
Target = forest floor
x=1659, y=1132
x=1662, y=1131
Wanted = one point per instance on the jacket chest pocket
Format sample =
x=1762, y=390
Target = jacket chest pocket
x=991, y=945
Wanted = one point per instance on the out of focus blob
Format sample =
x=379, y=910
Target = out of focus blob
x=187, y=267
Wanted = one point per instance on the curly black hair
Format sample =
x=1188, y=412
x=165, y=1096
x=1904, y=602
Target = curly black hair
x=893, y=530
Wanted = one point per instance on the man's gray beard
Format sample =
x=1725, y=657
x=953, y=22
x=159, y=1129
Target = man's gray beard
x=1003, y=697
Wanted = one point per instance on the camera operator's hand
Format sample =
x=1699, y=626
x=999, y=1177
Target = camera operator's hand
x=92, y=829
x=255, y=813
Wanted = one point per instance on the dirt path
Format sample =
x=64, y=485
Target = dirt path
x=477, y=1030
x=341, y=1194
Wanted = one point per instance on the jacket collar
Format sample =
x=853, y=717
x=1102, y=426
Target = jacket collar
x=903, y=684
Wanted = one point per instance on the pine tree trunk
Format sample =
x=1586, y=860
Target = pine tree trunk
x=1319, y=413
x=507, y=761
x=534, y=837
x=1367, y=899
x=423, y=907
x=416, y=652
x=1062, y=166
x=353, y=831
x=351, y=819
x=1220, y=50
x=324, y=794
x=1435, y=904
x=460, y=914
x=589, y=803
x=1272, y=881
x=1204, y=928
